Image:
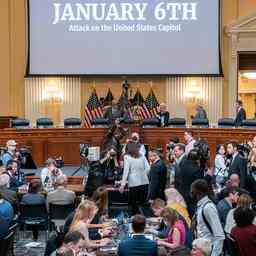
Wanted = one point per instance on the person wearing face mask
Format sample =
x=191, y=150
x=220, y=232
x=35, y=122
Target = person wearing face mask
x=10, y=154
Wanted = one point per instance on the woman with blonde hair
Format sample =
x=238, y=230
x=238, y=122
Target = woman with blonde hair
x=244, y=201
x=177, y=202
x=81, y=222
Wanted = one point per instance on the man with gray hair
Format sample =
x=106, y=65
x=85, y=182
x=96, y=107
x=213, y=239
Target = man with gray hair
x=61, y=196
x=8, y=194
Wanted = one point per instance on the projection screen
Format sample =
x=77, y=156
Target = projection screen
x=129, y=37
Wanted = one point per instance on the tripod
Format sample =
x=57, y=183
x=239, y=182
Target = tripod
x=84, y=166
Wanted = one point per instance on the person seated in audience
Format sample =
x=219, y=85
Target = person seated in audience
x=100, y=198
x=50, y=173
x=163, y=115
x=220, y=168
x=4, y=227
x=190, y=141
x=251, y=178
x=60, y=195
x=244, y=201
x=138, y=244
x=8, y=194
x=82, y=222
x=6, y=210
x=73, y=241
x=10, y=154
x=234, y=183
x=245, y=231
x=226, y=204
x=177, y=233
x=16, y=176
x=201, y=247
x=33, y=197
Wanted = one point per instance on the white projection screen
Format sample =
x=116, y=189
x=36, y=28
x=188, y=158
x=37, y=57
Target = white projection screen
x=123, y=37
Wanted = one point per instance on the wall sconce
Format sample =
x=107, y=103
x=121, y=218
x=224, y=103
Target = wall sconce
x=53, y=94
x=193, y=93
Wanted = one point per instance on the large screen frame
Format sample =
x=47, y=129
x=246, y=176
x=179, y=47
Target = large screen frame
x=28, y=74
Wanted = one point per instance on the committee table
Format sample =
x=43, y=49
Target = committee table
x=65, y=142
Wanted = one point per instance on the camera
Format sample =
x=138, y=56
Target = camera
x=134, y=139
x=84, y=150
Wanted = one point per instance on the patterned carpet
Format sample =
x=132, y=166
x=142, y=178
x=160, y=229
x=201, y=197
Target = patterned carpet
x=24, y=244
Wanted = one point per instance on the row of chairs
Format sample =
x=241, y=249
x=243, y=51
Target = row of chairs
x=21, y=123
x=203, y=123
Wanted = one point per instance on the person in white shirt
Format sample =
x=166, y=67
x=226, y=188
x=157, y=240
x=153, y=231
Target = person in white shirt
x=136, y=169
x=208, y=222
x=188, y=136
x=50, y=173
x=220, y=168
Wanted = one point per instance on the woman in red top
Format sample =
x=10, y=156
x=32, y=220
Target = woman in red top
x=177, y=233
x=245, y=232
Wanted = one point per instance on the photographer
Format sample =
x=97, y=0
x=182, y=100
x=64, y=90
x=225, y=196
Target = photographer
x=110, y=166
x=16, y=176
x=135, y=138
x=11, y=153
x=170, y=156
x=50, y=173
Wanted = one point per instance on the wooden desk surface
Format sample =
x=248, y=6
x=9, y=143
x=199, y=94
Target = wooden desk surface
x=45, y=143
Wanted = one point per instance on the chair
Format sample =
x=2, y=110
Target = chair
x=6, y=244
x=177, y=122
x=226, y=123
x=58, y=213
x=249, y=123
x=117, y=203
x=44, y=123
x=72, y=122
x=200, y=122
x=20, y=123
x=35, y=216
x=150, y=123
x=100, y=123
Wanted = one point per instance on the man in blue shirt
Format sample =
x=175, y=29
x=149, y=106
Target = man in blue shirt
x=6, y=210
x=10, y=153
x=138, y=244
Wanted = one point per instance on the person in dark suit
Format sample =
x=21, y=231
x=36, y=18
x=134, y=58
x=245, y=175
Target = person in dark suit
x=138, y=244
x=200, y=113
x=189, y=172
x=8, y=194
x=180, y=157
x=240, y=113
x=163, y=115
x=238, y=164
x=157, y=177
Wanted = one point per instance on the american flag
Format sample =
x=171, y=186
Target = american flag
x=93, y=109
x=150, y=107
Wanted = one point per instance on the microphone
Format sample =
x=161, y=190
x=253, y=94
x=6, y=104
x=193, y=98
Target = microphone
x=46, y=180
